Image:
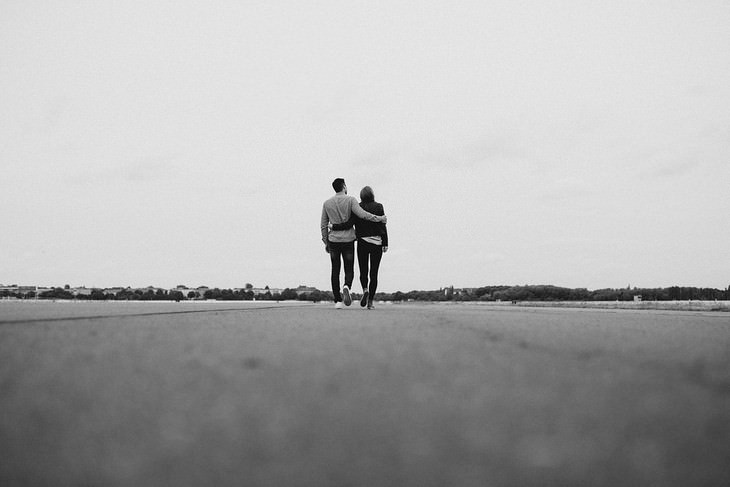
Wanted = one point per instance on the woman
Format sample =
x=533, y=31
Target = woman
x=372, y=242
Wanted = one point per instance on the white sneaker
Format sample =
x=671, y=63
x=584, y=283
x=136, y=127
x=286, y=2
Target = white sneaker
x=338, y=305
x=346, y=296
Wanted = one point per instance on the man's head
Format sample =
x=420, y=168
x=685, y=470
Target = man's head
x=339, y=185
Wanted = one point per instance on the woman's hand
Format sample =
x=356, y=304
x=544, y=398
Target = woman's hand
x=385, y=249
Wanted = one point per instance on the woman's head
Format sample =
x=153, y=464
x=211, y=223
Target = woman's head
x=367, y=195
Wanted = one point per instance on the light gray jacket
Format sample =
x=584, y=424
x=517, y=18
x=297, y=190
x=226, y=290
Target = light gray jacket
x=338, y=209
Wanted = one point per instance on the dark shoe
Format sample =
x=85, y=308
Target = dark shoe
x=370, y=304
x=364, y=300
x=346, y=298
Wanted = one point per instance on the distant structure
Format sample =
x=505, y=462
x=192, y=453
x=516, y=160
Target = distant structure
x=258, y=291
x=305, y=289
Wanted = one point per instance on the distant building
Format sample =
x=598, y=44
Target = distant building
x=263, y=290
x=81, y=291
x=305, y=289
x=113, y=290
x=185, y=290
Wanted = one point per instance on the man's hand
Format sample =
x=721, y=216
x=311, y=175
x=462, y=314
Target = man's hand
x=385, y=249
x=383, y=219
x=327, y=248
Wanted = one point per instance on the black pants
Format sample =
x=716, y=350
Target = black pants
x=367, y=251
x=346, y=252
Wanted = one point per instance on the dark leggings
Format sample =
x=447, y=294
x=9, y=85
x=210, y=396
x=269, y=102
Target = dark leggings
x=346, y=251
x=374, y=253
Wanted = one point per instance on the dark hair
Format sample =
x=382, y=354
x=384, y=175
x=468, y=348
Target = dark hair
x=338, y=184
x=367, y=195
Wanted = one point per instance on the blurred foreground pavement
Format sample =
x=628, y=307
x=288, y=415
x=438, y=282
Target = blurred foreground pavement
x=404, y=395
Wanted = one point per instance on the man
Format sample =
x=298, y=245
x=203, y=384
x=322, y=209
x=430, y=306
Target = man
x=340, y=244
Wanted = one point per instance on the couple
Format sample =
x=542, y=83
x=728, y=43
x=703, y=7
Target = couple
x=339, y=214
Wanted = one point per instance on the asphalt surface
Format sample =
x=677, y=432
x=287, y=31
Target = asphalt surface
x=403, y=395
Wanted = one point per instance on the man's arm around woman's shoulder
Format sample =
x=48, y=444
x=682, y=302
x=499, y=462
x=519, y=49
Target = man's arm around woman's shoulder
x=355, y=206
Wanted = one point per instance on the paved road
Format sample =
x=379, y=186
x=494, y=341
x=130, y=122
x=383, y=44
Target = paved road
x=421, y=395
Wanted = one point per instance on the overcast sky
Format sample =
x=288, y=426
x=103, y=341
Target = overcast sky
x=575, y=143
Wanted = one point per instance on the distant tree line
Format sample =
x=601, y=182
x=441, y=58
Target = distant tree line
x=486, y=293
x=556, y=293
x=171, y=295
x=287, y=294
